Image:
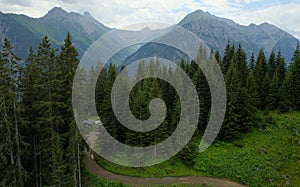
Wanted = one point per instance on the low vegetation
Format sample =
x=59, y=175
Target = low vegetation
x=267, y=156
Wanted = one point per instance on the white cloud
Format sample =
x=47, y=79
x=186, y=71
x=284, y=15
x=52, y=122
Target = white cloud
x=247, y=1
x=31, y=8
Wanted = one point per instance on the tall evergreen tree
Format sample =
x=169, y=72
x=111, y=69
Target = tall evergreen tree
x=228, y=56
x=290, y=89
x=47, y=121
x=240, y=112
x=265, y=90
x=280, y=67
x=272, y=65
x=11, y=141
x=252, y=62
x=259, y=72
x=67, y=65
x=273, y=98
x=241, y=60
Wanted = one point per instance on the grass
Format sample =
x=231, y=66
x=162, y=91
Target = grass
x=266, y=156
x=172, y=167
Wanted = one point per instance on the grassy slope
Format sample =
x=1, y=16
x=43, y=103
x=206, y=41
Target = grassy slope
x=242, y=160
x=268, y=156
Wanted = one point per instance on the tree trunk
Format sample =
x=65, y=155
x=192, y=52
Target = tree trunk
x=74, y=168
x=40, y=160
x=78, y=165
x=19, y=164
x=35, y=163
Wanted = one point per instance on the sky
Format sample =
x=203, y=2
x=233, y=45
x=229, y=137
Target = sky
x=284, y=14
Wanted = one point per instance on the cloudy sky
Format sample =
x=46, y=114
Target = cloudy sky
x=285, y=14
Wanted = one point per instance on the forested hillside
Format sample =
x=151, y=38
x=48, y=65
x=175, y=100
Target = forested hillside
x=40, y=144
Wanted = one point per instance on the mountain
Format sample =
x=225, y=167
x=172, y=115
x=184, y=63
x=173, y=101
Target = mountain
x=216, y=32
x=25, y=32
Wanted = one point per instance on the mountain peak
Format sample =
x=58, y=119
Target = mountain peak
x=200, y=12
x=196, y=15
x=86, y=13
x=267, y=27
x=56, y=12
x=266, y=24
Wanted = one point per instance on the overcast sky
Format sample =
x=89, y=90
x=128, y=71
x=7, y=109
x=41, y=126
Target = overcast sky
x=285, y=14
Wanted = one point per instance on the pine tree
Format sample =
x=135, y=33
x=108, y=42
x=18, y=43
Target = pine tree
x=265, y=90
x=280, y=67
x=259, y=72
x=100, y=87
x=230, y=127
x=203, y=90
x=241, y=60
x=238, y=117
x=106, y=112
x=11, y=141
x=228, y=56
x=30, y=88
x=251, y=119
x=279, y=74
x=272, y=65
x=252, y=62
x=290, y=89
x=67, y=65
x=218, y=57
x=47, y=86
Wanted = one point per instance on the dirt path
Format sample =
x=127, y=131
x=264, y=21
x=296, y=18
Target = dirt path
x=94, y=168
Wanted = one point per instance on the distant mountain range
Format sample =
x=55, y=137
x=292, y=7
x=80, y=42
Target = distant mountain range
x=216, y=32
x=25, y=32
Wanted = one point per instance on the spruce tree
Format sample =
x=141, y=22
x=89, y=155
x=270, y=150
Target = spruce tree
x=260, y=70
x=251, y=62
x=11, y=141
x=47, y=121
x=30, y=88
x=265, y=90
x=228, y=56
x=272, y=65
x=251, y=101
x=241, y=60
x=290, y=89
x=67, y=64
x=277, y=69
x=238, y=116
x=280, y=67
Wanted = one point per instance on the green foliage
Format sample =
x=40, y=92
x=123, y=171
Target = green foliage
x=259, y=158
x=259, y=71
x=240, y=114
x=290, y=89
x=39, y=136
x=11, y=142
x=55, y=154
x=90, y=180
x=172, y=167
x=228, y=56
